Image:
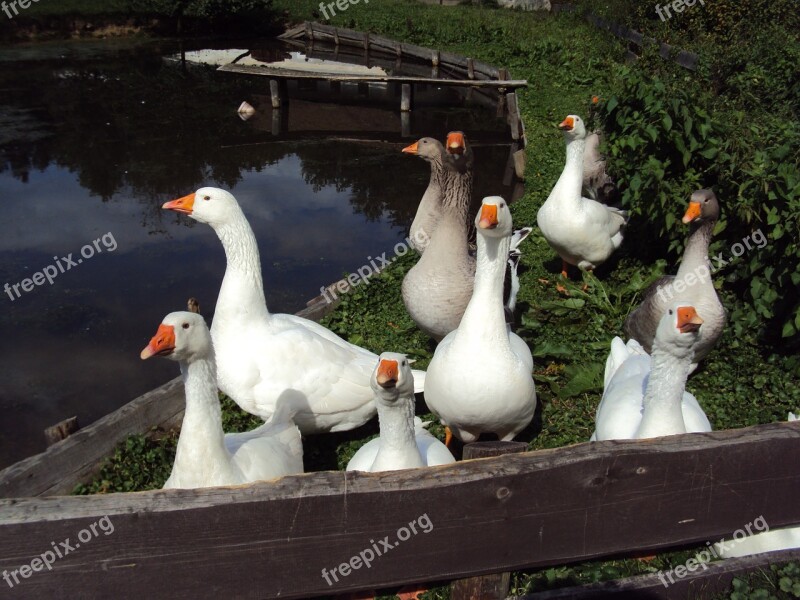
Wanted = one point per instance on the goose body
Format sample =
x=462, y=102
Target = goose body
x=479, y=380
x=596, y=184
x=205, y=456
x=691, y=284
x=437, y=289
x=264, y=358
x=582, y=231
x=645, y=396
x=404, y=443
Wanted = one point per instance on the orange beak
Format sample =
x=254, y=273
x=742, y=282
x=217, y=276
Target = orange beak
x=412, y=149
x=488, y=218
x=692, y=213
x=456, y=143
x=162, y=344
x=567, y=124
x=387, y=373
x=183, y=205
x=688, y=319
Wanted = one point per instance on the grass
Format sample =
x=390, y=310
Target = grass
x=566, y=62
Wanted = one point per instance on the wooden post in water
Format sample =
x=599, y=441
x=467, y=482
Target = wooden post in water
x=488, y=587
x=513, y=115
x=405, y=97
x=275, y=92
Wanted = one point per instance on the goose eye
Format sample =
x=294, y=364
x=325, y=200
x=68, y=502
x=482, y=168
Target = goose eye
x=502, y=205
x=206, y=197
x=186, y=326
x=670, y=311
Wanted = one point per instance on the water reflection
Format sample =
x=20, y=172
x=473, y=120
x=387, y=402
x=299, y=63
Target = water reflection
x=93, y=139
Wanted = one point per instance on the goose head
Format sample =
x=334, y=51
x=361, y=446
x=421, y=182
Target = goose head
x=678, y=330
x=573, y=128
x=494, y=218
x=458, y=152
x=182, y=336
x=392, y=378
x=212, y=206
x=703, y=206
x=426, y=148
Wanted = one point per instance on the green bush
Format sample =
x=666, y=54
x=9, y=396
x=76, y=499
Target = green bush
x=664, y=142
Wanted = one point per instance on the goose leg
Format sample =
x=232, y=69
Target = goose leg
x=411, y=592
x=560, y=288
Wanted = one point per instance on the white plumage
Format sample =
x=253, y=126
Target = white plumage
x=205, y=456
x=404, y=443
x=646, y=396
x=265, y=358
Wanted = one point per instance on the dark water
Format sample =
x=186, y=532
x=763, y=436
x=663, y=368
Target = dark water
x=94, y=137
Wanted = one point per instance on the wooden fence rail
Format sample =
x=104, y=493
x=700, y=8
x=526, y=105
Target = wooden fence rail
x=274, y=539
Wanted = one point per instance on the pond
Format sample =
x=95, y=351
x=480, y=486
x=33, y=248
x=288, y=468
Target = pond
x=95, y=136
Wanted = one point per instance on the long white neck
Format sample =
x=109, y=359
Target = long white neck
x=201, y=446
x=695, y=256
x=485, y=318
x=663, y=398
x=242, y=291
x=568, y=186
x=398, y=443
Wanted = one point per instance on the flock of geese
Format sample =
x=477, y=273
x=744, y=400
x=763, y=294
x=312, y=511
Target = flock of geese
x=301, y=378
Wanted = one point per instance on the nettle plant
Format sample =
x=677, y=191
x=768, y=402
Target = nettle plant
x=664, y=143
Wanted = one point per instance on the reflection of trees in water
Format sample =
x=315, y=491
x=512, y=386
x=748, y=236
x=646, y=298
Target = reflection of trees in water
x=368, y=172
x=130, y=123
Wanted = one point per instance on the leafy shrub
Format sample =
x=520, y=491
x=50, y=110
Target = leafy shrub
x=139, y=463
x=664, y=143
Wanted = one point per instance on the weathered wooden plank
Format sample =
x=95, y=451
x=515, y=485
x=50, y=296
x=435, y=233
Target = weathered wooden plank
x=496, y=585
x=60, y=467
x=274, y=539
x=349, y=37
x=291, y=74
x=65, y=464
x=707, y=582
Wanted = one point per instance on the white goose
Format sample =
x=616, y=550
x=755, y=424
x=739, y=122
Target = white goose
x=404, y=442
x=645, y=396
x=479, y=380
x=583, y=231
x=766, y=541
x=692, y=284
x=264, y=357
x=206, y=456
